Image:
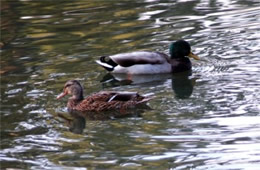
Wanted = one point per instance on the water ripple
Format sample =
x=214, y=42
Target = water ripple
x=214, y=126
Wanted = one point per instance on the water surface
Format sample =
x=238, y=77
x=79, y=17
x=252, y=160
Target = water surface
x=207, y=119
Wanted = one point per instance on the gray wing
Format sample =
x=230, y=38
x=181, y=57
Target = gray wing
x=139, y=57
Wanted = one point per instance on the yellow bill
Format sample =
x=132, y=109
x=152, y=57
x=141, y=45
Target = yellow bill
x=191, y=55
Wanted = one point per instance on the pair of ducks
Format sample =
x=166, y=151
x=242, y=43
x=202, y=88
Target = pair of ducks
x=140, y=62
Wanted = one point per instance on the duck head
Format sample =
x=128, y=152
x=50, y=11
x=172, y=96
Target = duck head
x=180, y=49
x=73, y=88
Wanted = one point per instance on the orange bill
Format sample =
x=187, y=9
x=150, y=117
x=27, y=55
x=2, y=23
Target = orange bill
x=61, y=95
x=191, y=55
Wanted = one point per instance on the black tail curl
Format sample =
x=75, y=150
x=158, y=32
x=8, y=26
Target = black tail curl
x=109, y=61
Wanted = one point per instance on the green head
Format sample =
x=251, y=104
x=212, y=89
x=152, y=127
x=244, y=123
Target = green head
x=180, y=49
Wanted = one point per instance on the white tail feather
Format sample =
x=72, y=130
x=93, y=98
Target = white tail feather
x=104, y=64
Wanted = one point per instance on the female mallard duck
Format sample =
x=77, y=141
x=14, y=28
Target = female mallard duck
x=143, y=62
x=102, y=101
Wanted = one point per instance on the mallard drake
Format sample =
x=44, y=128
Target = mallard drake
x=101, y=101
x=144, y=62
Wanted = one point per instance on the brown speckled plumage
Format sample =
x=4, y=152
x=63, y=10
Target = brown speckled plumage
x=101, y=101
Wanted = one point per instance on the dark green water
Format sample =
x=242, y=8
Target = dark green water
x=205, y=120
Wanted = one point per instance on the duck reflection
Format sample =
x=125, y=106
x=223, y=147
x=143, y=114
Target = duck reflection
x=76, y=121
x=182, y=83
x=113, y=80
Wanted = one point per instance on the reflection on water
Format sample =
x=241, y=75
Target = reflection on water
x=77, y=124
x=77, y=120
x=207, y=119
x=110, y=80
x=182, y=83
